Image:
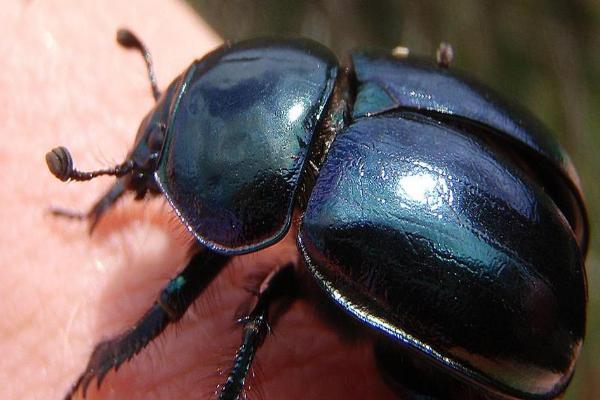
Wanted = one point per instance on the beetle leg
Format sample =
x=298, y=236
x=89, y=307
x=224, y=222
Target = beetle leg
x=256, y=325
x=169, y=307
x=98, y=209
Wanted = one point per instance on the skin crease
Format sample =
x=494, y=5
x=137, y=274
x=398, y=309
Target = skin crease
x=64, y=81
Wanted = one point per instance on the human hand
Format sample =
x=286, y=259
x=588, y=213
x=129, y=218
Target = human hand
x=65, y=82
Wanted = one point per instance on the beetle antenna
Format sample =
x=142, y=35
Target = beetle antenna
x=60, y=163
x=129, y=40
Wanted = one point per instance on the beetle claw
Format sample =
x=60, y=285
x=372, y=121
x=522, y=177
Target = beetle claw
x=66, y=213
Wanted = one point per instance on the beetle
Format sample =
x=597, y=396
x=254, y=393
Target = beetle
x=445, y=220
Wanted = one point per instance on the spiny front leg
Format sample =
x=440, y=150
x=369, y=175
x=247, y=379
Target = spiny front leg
x=169, y=307
x=98, y=209
x=276, y=285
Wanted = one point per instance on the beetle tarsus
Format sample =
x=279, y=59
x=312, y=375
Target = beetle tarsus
x=254, y=331
x=98, y=209
x=66, y=213
x=170, y=306
x=129, y=40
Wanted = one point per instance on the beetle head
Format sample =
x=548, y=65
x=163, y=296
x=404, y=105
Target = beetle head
x=136, y=173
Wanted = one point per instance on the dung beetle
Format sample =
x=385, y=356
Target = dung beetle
x=446, y=221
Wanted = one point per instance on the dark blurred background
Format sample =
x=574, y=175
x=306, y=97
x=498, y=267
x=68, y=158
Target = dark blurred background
x=542, y=54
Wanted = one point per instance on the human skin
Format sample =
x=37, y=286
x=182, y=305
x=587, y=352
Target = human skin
x=64, y=81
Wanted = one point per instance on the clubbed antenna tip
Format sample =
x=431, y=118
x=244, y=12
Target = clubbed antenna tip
x=60, y=164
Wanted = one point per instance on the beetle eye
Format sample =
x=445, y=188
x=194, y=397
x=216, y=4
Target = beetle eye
x=156, y=137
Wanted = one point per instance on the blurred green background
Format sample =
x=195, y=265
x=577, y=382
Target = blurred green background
x=542, y=54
